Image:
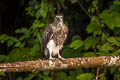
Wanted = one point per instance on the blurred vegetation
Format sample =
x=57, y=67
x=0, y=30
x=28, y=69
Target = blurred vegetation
x=94, y=31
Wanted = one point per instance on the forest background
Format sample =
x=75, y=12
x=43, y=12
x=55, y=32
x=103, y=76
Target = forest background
x=94, y=30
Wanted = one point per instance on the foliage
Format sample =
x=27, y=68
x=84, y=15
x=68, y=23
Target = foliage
x=85, y=76
x=102, y=38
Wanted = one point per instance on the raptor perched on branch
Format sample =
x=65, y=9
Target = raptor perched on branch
x=54, y=37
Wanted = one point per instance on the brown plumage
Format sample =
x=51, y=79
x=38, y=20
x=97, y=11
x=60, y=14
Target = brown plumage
x=54, y=37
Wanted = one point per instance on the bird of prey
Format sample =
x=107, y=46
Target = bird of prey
x=54, y=37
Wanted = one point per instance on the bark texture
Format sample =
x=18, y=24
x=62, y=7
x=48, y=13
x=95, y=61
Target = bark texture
x=69, y=63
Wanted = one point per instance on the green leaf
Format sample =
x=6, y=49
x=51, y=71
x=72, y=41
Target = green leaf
x=10, y=43
x=13, y=38
x=116, y=2
x=38, y=14
x=118, y=52
x=19, y=78
x=3, y=58
x=117, y=21
x=106, y=47
x=60, y=76
x=35, y=50
x=90, y=42
x=117, y=38
x=107, y=19
x=18, y=54
x=68, y=52
x=103, y=53
x=25, y=36
x=89, y=54
x=105, y=36
x=9, y=39
x=4, y=38
x=76, y=37
x=95, y=3
x=112, y=40
x=37, y=24
x=19, y=44
x=93, y=26
x=69, y=78
x=22, y=30
x=118, y=44
x=76, y=44
x=42, y=12
x=2, y=74
x=113, y=69
x=46, y=73
x=61, y=2
x=85, y=76
x=39, y=38
x=102, y=77
x=21, y=38
x=37, y=6
x=117, y=76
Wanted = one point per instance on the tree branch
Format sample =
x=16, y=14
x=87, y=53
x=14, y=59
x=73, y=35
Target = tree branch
x=84, y=9
x=70, y=63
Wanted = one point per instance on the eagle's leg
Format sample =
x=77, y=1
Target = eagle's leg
x=50, y=54
x=51, y=58
x=59, y=56
x=50, y=49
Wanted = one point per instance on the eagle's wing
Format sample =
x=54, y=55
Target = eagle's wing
x=47, y=35
x=65, y=31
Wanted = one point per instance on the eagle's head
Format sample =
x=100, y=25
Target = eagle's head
x=59, y=19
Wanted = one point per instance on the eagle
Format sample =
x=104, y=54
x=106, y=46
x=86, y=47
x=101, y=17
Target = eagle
x=54, y=37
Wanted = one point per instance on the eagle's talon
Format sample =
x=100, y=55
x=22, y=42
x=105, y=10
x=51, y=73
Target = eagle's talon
x=61, y=58
x=51, y=58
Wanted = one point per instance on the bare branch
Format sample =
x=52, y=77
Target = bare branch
x=70, y=63
x=97, y=73
x=86, y=12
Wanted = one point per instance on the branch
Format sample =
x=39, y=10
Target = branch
x=86, y=12
x=70, y=63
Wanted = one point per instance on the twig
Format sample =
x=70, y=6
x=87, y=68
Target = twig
x=84, y=9
x=97, y=73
